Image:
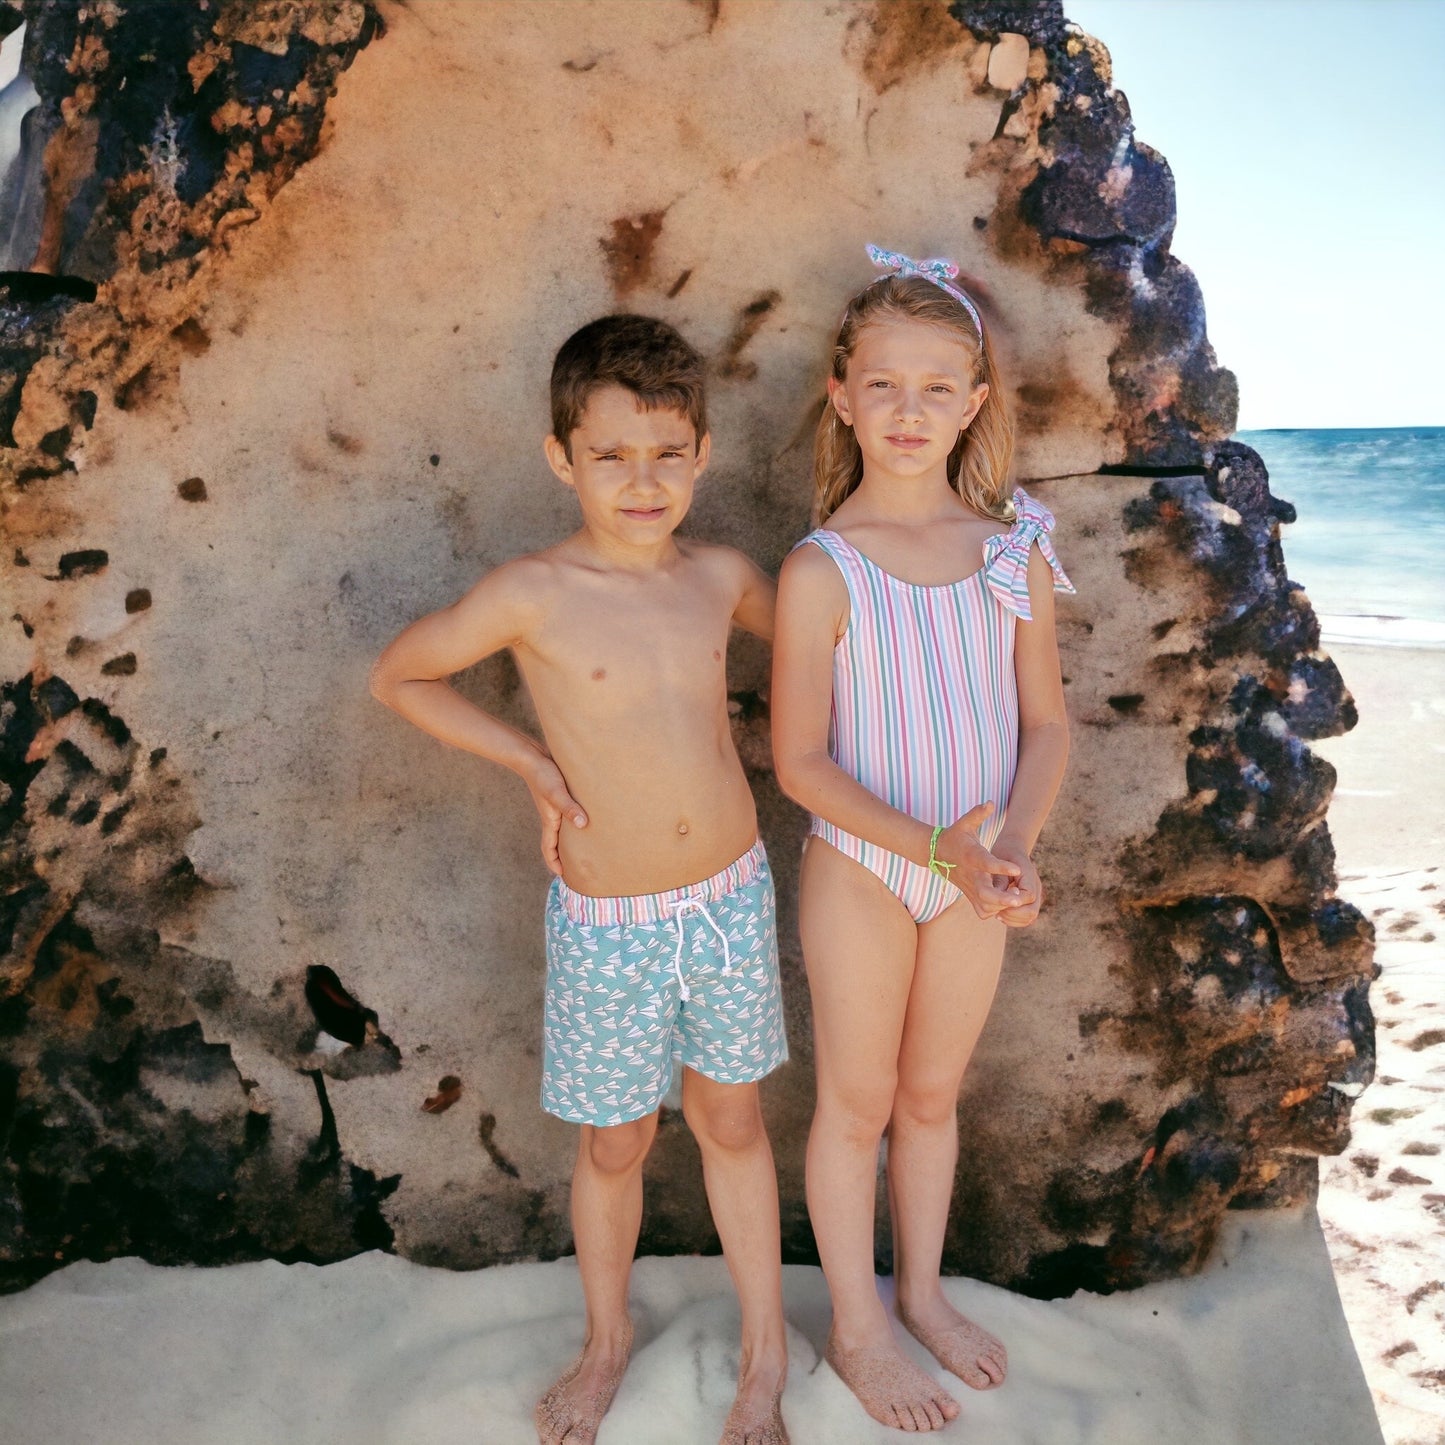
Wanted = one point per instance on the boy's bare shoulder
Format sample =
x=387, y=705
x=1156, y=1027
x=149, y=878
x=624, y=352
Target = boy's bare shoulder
x=717, y=558
x=524, y=588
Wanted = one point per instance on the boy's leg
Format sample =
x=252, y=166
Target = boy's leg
x=858, y=944
x=742, y=1192
x=954, y=980
x=606, y=1218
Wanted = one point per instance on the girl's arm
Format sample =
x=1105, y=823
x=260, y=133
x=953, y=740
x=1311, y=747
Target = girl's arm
x=1043, y=737
x=812, y=613
x=409, y=678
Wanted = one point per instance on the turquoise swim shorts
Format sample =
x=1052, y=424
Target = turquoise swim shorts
x=635, y=983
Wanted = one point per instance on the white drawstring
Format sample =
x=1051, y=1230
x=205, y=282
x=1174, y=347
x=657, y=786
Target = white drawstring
x=696, y=905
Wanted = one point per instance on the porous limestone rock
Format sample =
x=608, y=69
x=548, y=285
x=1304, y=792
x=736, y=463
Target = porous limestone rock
x=272, y=384
x=1008, y=62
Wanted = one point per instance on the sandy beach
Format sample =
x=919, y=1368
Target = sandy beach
x=1382, y=1203
x=378, y=1349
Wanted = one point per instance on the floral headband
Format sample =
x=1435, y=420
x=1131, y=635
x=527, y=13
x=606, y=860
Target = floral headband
x=939, y=271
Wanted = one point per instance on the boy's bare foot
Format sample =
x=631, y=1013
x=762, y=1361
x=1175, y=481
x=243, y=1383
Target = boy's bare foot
x=960, y=1346
x=756, y=1417
x=893, y=1390
x=573, y=1408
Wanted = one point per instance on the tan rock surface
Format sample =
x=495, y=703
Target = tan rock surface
x=327, y=422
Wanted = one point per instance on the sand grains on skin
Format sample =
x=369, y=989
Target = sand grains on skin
x=749, y=1425
x=892, y=1389
x=571, y=1411
x=756, y=1416
x=963, y=1348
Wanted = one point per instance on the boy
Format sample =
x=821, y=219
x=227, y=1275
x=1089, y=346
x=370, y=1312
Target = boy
x=660, y=922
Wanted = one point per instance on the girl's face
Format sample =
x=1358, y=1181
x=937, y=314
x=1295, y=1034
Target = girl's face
x=908, y=394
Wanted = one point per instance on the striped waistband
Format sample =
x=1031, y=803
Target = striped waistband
x=650, y=907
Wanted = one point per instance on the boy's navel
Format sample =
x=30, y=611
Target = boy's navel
x=682, y=829
x=598, y=674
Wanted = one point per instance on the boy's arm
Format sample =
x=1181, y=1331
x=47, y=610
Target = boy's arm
x=757, y=604
x=409, y=678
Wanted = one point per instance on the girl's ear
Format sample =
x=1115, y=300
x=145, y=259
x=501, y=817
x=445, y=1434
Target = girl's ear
x=976, y=399
x=838, y=395
x=557, y=459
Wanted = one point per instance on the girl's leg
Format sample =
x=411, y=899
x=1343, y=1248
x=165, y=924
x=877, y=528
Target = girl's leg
x=858, y=946
x=954, y=979
x=606, y=1217
x=742, y=1193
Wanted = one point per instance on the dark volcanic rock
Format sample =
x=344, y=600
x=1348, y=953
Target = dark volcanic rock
x=122, y=1131
x=1041, y=21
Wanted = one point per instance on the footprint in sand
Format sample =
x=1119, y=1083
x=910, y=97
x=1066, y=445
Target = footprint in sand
x=1427, y=1040
x=1391, y=1116
x=1416, y=1297
x=1401, y=1175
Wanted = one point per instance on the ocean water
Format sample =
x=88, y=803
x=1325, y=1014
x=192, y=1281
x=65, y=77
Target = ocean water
x=1369, y=545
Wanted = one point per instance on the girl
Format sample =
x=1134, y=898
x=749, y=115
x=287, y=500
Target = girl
x=918, y=714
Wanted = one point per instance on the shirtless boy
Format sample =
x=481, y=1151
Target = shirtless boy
x=660, y=921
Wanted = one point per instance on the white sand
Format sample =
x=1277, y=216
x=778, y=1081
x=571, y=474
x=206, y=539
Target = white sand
x=1383, y=1201
x=379, y=1350
x=1254, y=1350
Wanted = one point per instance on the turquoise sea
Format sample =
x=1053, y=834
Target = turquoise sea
x=1369, y=545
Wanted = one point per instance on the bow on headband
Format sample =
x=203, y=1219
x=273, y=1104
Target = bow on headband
x=937, y=270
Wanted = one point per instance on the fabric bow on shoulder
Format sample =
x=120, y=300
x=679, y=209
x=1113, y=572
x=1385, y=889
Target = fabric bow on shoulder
x=1006, y=556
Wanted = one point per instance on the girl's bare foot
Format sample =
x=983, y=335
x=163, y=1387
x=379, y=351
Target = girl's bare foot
x=960, y=1346
x=892, y=1389
x=756, y=1417
x=573, y=1408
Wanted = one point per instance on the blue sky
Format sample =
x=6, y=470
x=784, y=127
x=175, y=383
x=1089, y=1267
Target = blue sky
x=1307, y=139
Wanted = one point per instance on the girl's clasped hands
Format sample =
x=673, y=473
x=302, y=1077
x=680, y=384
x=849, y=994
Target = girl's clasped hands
x=1002, y=884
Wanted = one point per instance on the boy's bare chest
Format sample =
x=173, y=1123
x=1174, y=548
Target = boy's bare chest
x=615, y=654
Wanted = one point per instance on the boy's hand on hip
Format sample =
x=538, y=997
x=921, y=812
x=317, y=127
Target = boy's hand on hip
x=555, y=805
x=986, y=881
x=1025, y=903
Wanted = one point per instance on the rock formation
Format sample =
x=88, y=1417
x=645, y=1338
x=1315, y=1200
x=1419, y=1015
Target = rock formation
x=284, y=282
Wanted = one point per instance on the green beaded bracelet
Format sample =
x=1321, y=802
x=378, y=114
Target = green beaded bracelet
x=935, y=863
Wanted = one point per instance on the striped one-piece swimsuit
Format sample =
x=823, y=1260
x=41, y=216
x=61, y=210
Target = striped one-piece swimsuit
x=925, y=698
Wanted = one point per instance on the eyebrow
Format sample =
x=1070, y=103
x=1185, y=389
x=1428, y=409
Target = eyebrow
x=599, y=450
x=893, y=370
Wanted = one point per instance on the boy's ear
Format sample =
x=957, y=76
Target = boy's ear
x=556, y=455
x=704, y=455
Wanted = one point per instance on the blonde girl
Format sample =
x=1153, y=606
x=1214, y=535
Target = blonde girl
x=918, y=714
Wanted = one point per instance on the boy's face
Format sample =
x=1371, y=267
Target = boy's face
x=633, y=470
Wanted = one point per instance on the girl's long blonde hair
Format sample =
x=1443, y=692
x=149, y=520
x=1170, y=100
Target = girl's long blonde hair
x=978, y=465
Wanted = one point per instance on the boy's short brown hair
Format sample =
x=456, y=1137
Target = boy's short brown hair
x=646, y=356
